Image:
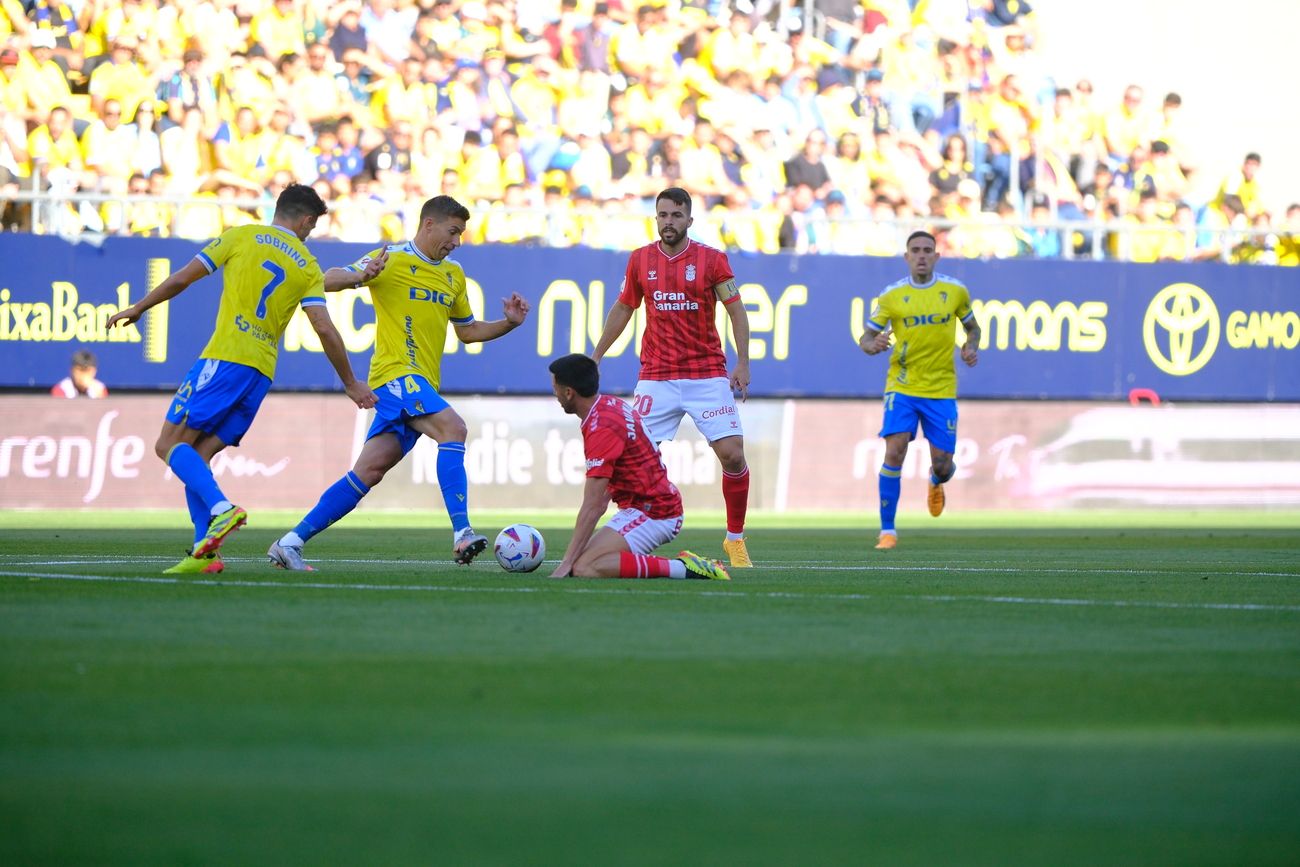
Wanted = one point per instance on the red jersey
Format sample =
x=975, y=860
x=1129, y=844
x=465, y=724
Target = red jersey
x=681, y=340
x=619, y=449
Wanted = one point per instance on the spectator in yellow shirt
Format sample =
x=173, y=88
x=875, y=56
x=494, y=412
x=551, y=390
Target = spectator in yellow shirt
x=120, y=79
x=45, y=82
x=1288, y=238
x=1125, y=128
x=278, y=30
x=53, y=147
x=1244, y=186
x=108, y=148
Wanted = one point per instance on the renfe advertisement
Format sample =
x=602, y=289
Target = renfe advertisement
x=1052, y=330
x=806, y=455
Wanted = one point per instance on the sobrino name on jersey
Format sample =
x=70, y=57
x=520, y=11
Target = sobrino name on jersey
x=673, y=301
x=283, y=246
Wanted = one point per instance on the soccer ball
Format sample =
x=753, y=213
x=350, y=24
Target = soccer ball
x=520, y=548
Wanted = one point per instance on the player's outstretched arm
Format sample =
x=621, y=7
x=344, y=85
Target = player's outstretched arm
x=174, y=285
x=595, y=499
x=345, y=278
x=619, y=316
x=516, y=310
x=332, y=342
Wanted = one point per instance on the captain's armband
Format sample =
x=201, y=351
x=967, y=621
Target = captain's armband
x=727, y=290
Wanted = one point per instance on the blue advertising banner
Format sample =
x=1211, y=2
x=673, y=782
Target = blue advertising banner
x=1054, y=330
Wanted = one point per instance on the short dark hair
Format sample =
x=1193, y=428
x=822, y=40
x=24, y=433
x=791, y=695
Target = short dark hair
x=84, y=358
x=677, y=196
x=442, y=208
x=1254, y=157
x=919, y=233
x=299, y=200
x=578, y=372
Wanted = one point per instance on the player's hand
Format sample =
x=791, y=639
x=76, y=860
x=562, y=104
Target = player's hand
x=563, y=570
x=516, y=308
x=740, y=379
x=361, y=395
x=374, y=266
x=969, y=354
x=875, y=343
x=125, y=317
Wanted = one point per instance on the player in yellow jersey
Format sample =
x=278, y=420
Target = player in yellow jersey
x=922, y=313
x=417, y=295
x=268, y=274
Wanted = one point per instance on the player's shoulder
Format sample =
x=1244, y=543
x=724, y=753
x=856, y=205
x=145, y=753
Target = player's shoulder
x=702, y=249
x=946, y=280
x=895, y=287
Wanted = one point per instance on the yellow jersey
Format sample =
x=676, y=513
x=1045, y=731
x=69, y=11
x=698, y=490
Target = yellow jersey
x=414, y=299
x=268, y=274
x=925, y=322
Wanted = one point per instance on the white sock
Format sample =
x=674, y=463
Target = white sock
x=223, y=506
x=889, y=532
x=732, y=537
x=456, y=537
x=676, y=569
x=291, y=540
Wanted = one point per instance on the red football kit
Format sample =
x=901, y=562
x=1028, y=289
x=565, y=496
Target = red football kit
x=618, y=449
x=681, y=340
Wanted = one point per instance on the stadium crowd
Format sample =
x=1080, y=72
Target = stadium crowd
x=558, y=121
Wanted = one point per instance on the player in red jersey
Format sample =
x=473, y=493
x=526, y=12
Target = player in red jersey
x=622, y=465
x=683, y=365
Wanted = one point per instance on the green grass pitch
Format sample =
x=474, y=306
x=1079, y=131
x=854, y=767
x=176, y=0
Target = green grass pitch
x=1090, y=689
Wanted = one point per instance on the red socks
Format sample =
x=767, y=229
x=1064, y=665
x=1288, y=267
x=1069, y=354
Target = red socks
x=735, y=492
x=641, y=566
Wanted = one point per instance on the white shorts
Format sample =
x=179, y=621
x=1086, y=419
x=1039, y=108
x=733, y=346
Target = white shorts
x=643, y=533
x=661, y=403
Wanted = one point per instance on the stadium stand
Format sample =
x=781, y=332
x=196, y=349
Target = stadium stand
x=828, y=130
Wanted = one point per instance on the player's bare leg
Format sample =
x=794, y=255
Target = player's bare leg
x=735, y=494
x=941, y=470
x=608, y=555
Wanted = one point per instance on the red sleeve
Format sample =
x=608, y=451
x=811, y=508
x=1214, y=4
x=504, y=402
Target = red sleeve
x=630, y=293
x=603, y=446
x=721, y=268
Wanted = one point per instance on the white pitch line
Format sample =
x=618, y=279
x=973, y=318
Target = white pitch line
x=594, y=591
x=803, y=566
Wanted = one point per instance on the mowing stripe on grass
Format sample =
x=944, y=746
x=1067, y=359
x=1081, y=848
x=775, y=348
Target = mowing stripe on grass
x=800, y=566
x=765, y=594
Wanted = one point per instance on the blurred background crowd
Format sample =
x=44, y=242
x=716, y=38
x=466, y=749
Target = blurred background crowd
x=826, y=129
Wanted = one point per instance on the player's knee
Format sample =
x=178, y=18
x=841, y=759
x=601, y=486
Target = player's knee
x=731, y=454
x=370, y=476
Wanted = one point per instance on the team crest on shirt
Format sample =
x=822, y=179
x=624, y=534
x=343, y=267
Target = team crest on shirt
x=690, y=273
x=943, y=296
x=451, y=284
x=907, y=299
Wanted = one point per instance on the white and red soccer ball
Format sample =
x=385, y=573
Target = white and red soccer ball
x=520, y=548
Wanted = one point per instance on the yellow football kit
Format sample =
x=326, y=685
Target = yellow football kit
x=268, y=274
x=924, y=320
x=414, y=298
